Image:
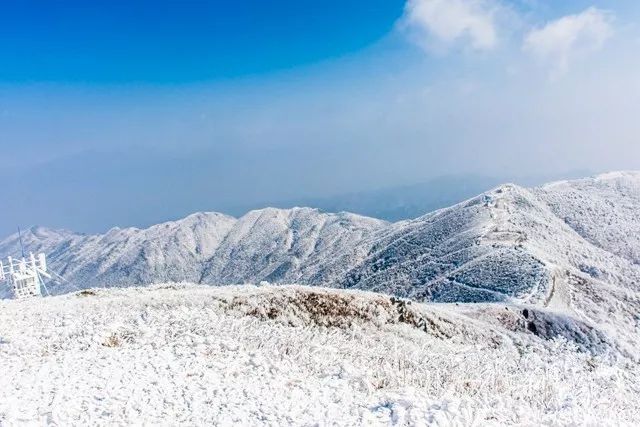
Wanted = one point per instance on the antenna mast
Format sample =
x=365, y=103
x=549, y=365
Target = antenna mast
x=21, y=245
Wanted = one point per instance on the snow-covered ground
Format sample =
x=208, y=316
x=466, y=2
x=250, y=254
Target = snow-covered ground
x=186, y=354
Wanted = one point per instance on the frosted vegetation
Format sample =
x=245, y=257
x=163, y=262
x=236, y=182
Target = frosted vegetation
x=292, y=356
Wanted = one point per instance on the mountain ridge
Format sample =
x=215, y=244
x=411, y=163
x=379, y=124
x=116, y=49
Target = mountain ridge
x=504, y=243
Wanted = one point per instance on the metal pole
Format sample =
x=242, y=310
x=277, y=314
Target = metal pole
x=21, y=245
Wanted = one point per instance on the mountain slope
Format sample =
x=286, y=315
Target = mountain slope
x=299, y=244
x=603, y=210
x=170, y=251
x=509, y=242
x=39, y=239
x=296, y=245
x=469, y=252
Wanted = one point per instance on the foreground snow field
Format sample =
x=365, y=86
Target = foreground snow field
x=293, y=355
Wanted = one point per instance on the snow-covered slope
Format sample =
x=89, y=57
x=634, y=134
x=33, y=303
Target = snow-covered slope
x=469, y=252
x=194, y=355
x=39, y=239
x=298, y=245
x=171, y=251
x=603, y=210
x=513, y=244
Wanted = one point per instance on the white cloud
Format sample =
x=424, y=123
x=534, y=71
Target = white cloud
x=561, y=41
x=453, y=21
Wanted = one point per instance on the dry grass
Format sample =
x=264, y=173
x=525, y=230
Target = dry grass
x=86, y=293
x=298, y=306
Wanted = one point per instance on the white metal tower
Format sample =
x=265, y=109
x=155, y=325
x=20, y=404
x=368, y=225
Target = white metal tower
x=25, y=276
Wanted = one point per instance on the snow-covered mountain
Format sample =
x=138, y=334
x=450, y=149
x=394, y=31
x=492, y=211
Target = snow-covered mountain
x=531, y=245
x=295, y=245
x=570, y=246
x=39, y=239
x=298, y=245
x=512, y=242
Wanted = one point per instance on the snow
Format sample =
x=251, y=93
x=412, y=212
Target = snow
x=185, y=354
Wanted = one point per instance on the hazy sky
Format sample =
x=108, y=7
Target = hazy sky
x=113, y=114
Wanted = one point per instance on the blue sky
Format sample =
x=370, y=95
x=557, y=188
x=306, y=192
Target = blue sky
x=181, y=41
x=129, y=113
